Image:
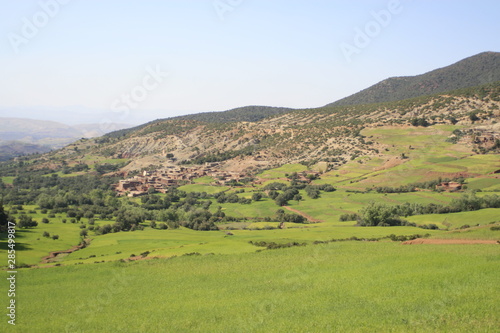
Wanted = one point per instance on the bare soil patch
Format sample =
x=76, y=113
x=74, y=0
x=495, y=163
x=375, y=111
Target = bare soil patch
x=390, y=163
x=53, y=255
x=307, y=216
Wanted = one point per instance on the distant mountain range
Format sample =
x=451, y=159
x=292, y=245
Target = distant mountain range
x=473, y=71
x=20, y=136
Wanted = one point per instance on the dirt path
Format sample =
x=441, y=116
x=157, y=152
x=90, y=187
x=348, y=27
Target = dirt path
x=53, y=255
x=307, y=216
x=449, y=241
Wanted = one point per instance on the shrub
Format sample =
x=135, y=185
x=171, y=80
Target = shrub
x=26, y=221
x=256, y=196
x=192, y=254
x=348, y=217
x=431, y=226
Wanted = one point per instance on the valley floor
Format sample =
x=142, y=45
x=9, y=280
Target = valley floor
x=335, y=287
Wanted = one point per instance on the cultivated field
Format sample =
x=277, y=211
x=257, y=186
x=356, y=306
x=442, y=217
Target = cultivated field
x=335, y=287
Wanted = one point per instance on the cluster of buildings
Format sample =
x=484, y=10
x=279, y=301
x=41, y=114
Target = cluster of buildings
x=486, y=138
x=161, y=180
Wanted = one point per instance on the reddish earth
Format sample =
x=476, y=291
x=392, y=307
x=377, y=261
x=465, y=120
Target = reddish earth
x=449, y=241
x=53, y=255
x=390, y=163
x=307, y=216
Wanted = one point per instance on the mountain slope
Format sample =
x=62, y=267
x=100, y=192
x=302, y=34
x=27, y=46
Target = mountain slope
x=473, y=71
x=250, y=113
x=328, y=134
x=256, y=137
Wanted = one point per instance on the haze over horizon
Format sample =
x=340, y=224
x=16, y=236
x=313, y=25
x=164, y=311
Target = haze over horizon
x=131, y=62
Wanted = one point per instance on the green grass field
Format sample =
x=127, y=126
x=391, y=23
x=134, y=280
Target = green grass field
x=474, y=233
x=336, y=287
x=203, y=180
x=8, y=180
x=262, y=208
x=457, y=220
x=209, y=189
x=282, y=171
x=34, y=246
x=485, y=184
x=426, y=155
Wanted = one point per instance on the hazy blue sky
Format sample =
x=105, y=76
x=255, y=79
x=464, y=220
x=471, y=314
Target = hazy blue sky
x=94, y=58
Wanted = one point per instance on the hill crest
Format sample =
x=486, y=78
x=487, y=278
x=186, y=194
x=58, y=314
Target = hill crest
x=476, y=70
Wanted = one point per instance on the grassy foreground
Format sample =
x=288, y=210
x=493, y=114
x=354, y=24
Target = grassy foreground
x=336, y=287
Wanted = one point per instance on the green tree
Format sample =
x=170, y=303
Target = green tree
x=256, y=196
x=281, y=200
x=26, y=221
x=297, y=197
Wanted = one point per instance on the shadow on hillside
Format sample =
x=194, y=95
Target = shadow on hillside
x=20, y=246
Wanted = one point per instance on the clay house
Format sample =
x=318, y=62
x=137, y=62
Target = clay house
x=449, y=186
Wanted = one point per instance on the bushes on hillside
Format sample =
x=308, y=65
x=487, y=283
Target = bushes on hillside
x=349, y=217
x=281, y=216
x=419, y=122
x=383, y=215
x=26, y=221
x=273, y=245
x=380, y=215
